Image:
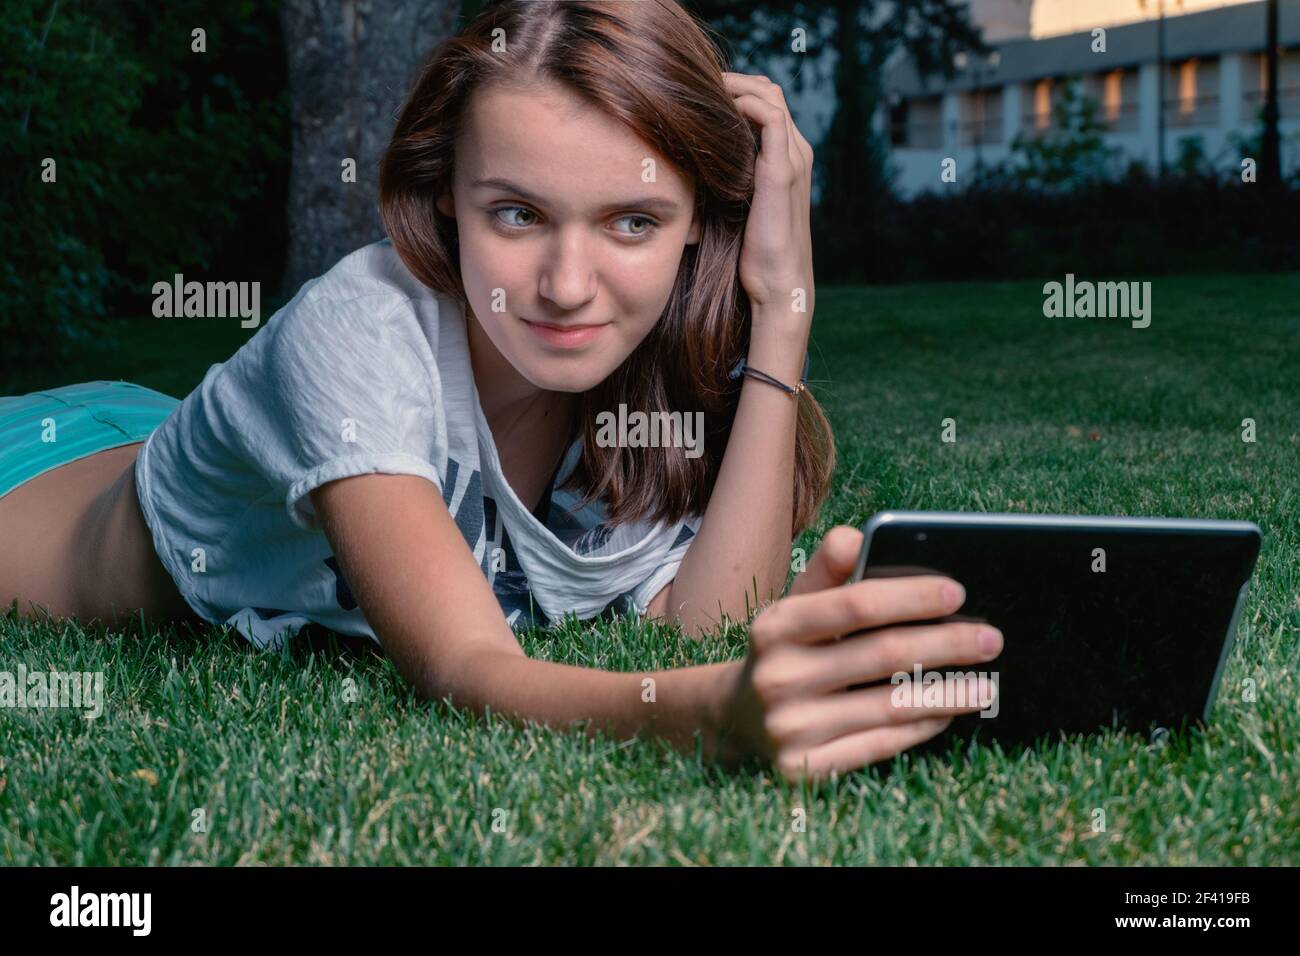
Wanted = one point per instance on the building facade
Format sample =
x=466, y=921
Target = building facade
x=1214, y=83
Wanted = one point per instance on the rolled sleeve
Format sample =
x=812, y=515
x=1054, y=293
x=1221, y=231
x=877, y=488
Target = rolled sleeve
x=342, y=393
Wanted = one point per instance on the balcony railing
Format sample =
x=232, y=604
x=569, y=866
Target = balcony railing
x=1179, y=114
x=1199, y=111
x=985, y=132
x=1124, y=120
x=1036, y=124
x=1288, y=102
x=917, y=135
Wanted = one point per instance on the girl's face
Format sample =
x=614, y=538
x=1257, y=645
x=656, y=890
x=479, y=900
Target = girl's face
x=567, y=252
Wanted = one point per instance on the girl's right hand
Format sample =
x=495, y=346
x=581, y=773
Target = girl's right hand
x=790, y=701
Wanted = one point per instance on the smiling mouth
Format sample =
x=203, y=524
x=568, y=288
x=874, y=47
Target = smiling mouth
x=565, y=328
x=566, y=336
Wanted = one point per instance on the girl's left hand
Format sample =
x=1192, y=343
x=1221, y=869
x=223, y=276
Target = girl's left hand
x=776, y=258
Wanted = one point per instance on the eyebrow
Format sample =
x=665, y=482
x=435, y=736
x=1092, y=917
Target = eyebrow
x=646, y=202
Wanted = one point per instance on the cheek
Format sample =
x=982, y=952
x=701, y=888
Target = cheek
x=643, y=284
x=493, y=273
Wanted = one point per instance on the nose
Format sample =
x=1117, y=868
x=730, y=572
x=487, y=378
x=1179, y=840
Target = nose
x=568, y=275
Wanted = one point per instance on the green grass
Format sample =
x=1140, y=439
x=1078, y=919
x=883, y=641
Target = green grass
x=1052, y=415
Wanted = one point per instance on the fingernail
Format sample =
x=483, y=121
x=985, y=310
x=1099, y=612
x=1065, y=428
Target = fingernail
x=954, y=593
x=989, y=640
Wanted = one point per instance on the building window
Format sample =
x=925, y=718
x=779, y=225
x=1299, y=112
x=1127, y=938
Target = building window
x=898, y=124
x=1042, y=116
x=1288, y=82
x=1117, y=94
x=1187, y=88
x=981, y=117
x=1193, y=97
x=1112, y=97
x=1254, y=85
x=916, y=123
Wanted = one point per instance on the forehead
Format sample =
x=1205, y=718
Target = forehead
x=560, y=148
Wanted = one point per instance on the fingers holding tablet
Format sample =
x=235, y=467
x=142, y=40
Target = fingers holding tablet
x=878, y=655
x=855, y=750
x=822, y=718
x=844, y=732
x=791, y=701
x=828, y=614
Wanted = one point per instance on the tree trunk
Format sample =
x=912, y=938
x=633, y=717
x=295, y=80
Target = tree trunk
x=854, y=177
x=350, y=63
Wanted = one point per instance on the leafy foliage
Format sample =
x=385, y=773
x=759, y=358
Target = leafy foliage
x=1073, y=154
x=851, y=175
x=160, y=154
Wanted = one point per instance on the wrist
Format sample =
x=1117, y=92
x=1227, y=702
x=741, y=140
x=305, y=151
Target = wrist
x=726, y=744
x=780, y=320
x=783, y=359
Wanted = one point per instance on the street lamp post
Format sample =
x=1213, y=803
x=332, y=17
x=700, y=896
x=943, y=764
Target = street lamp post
x=1160, y=113
x=1160, y=87
x=1271, y=160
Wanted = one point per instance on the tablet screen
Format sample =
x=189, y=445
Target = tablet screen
x=1112, y=627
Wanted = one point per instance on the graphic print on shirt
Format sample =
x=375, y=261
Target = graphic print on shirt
x=511, y=585
x=480, y=524
x=342, y=593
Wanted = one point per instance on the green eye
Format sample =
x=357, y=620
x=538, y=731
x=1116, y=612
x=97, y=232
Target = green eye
x=512, y=209
x=649, y=225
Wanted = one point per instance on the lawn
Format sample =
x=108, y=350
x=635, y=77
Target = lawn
x=210, y=752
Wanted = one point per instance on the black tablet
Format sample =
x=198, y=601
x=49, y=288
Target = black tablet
x=1107, y=622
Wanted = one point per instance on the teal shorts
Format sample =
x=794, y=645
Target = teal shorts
x=42, y=430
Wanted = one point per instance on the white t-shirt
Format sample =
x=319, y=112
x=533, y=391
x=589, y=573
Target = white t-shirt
x=366, y=370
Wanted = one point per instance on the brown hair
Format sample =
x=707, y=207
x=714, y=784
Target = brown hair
x=651, y=66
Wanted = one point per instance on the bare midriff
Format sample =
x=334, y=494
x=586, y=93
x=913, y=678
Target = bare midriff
x=75, y=544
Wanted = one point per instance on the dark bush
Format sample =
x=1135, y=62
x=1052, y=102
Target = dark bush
x=1190, y=223
x=166, y=160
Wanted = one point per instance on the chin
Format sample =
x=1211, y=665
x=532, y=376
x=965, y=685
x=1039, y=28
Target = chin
x=565, y=378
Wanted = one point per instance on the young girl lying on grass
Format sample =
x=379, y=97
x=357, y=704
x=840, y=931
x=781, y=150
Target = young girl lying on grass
x=409, y=450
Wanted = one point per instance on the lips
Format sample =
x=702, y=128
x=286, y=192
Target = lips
x=568, y=327
x=566, y=336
